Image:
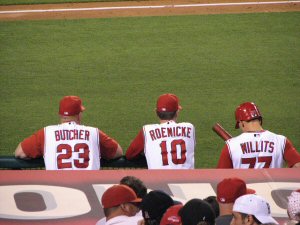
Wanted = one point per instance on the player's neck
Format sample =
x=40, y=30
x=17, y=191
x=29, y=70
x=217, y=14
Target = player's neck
x=165, y=121
x=67, y=119
x=253, y=128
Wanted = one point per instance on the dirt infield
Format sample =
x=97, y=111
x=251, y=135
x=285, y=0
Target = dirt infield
x=142, y=8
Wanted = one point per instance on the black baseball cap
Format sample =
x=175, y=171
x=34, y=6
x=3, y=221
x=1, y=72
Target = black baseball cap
x=155, y=204
x=195, y=211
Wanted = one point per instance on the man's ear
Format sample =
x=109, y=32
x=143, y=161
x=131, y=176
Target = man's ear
x=249, y=219
x=243, y=124
x=124, y=207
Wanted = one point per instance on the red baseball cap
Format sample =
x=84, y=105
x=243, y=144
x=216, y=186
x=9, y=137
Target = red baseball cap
x=229, y=189
x=70, y=106
x=171, y=216
x=167, y=103
x=117, y=195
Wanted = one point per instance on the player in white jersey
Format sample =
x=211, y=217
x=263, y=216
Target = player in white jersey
x=256, y=147
x=168, y=145
x=69, y=145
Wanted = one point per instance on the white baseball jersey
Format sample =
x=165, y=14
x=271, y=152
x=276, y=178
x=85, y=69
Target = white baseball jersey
x=169, y=145
x=124, y=220
x=70, y=146
x=257, y=150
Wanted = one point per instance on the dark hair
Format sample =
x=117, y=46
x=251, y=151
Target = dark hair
x=154, y=205
x=212, y=200
x=135, y=184
x=166, y=115
x=109, y=211
x=151, y=222
x=244, y=215
x=196, y=211
x=260, y=119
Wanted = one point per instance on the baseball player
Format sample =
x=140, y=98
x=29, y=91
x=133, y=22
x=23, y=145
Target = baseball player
x=69, y=145
x=256, y=147
x=168, y=145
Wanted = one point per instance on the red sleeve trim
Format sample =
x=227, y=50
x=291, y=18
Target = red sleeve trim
x=225, y=161
x=33, y=146
x=136, y=147
x=291, y=155
x=108, y=146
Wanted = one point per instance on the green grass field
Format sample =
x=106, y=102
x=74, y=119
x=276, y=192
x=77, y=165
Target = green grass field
x=120, y=66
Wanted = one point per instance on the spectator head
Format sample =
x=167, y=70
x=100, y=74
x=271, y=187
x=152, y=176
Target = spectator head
x=229, y=189
x=252, y=207
x=135, y=184
x=197, y=211
x=171, y=216
x=293, y=208
x=121, y=200
x=154, y=205
x=212, y=200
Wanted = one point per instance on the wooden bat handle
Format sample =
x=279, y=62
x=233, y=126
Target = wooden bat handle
x=224, y=134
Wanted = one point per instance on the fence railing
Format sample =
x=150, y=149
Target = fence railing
x=10, y=162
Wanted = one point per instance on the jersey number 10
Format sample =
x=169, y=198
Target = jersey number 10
x=175, y=145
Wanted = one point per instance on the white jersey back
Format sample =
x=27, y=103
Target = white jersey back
x=257, y=150
x=70, y=146
x=169, y=145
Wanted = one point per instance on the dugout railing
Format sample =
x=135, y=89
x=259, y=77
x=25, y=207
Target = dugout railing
x=10, y=162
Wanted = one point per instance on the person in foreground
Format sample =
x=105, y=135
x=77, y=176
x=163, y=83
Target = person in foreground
x=228, y=190
x=293, y=208
x=69, y=145
x=154, y=205
x=171, y=216
x=120, y=205
x=138, y=187
x=251, y=209
x=167, y=145
x=256, y=147
x=197, y=212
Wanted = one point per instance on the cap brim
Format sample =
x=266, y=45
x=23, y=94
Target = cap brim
x=266, y=219
x=177, y=202
x=137, y=200
x=250, y=191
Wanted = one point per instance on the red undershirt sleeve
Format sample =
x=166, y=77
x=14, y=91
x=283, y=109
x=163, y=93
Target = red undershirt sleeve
x=225, y=161
x=291, y=156
x=108, y=146
x=136, y=147
x=33, y=146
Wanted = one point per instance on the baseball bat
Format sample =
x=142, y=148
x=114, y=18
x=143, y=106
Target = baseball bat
x=224, y=134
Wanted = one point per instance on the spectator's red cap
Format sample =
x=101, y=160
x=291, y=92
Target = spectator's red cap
x=171, y=216
x=117, y=195
x=229, y=189
x=167, y=103
x=70, y=106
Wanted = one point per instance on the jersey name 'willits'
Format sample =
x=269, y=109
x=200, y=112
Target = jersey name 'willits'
x=257, y=146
